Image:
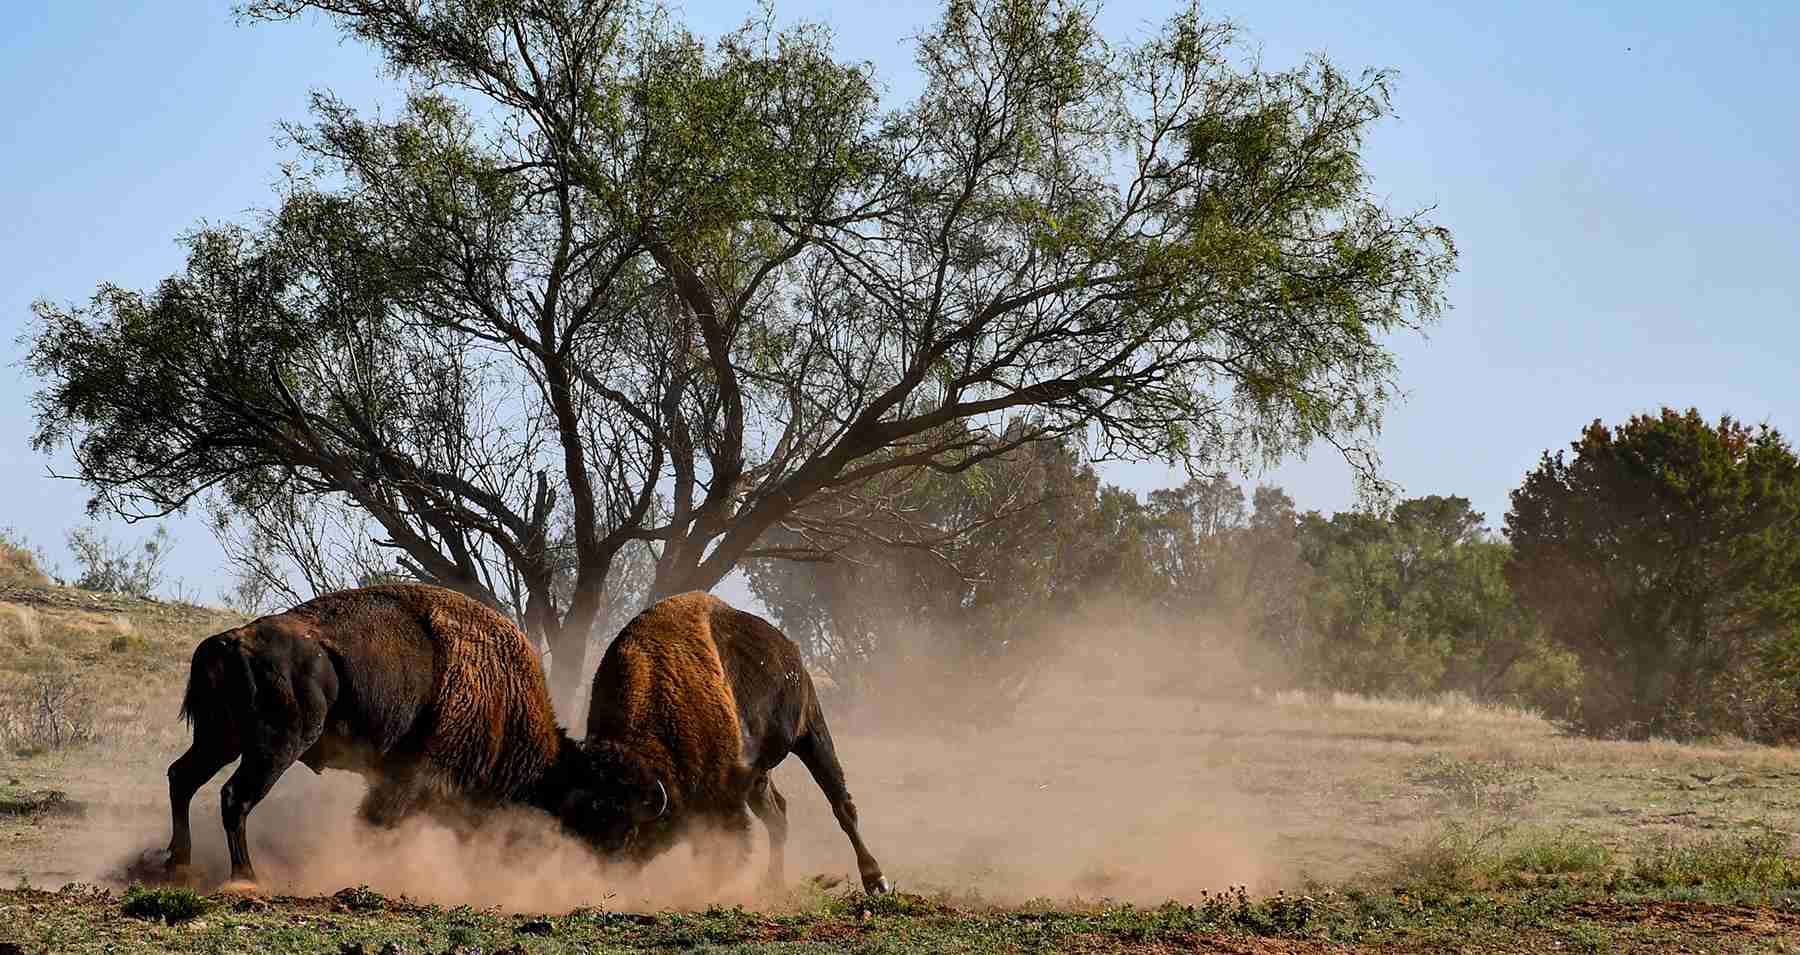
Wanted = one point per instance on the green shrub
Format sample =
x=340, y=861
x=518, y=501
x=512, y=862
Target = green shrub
x=172, y=904
x=1560, y=853
x=1480, y=785
x=360, y=898
x=1759, y=861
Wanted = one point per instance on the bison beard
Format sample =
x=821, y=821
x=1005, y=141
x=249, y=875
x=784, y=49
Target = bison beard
x=436, y=698
x=709, y=699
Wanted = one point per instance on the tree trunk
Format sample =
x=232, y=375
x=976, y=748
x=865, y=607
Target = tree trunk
x=568, y=664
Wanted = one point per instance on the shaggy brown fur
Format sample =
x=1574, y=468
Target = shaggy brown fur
x=438, y=699
x=708, y=699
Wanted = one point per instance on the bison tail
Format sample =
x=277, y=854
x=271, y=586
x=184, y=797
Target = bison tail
x=219, y=679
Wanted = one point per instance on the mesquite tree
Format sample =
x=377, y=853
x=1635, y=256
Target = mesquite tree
x=602, y=284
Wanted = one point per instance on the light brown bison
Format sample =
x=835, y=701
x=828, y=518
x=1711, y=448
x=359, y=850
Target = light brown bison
x=698, y=701
x=436, y=698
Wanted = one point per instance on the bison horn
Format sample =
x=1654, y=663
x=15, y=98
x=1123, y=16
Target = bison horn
x=665, y=799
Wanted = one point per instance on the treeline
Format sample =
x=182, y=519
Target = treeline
x=1651, y=585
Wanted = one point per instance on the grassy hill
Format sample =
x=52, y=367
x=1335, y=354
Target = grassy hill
x=89, y=687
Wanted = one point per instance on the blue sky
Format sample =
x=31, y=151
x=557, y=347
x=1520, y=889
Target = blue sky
x=1623, y=180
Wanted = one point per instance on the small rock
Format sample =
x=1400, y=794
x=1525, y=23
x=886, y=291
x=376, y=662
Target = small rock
x=393, y=948
x=536, y=927
x=353, y=948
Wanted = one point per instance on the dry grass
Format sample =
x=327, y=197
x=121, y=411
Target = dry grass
x=18, y=565
x=20, y=628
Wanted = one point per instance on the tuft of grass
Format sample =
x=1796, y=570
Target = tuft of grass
x=20, y=625
x=1482, y=785
x=360, y=898
x=1562, y=852
x=1758, y=862
x=171, y=904
x=1454, y=856
x=891, y=903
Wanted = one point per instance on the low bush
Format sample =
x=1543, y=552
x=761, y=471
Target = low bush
x=49, y=712
x=171, y=904
x=1761, y=861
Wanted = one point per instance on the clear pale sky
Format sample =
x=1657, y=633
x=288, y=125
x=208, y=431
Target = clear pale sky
x=1623, y=181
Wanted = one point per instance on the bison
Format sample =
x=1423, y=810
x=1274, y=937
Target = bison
x=438, y=699
x=694, y=703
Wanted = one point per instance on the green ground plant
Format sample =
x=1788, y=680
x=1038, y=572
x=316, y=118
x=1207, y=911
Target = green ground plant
x=171, y=904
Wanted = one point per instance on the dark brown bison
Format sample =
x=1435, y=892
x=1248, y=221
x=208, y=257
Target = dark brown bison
x=436, y=698
x=696, y=702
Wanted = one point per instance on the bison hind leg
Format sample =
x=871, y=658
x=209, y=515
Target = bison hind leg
x=255, y=776
x=210, y=753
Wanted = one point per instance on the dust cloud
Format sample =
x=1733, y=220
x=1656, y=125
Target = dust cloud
x=1115, y=769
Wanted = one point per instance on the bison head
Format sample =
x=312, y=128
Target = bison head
x=620, y=795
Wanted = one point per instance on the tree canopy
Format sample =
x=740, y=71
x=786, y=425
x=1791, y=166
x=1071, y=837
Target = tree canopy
x=600, y=284
x=1666, y=554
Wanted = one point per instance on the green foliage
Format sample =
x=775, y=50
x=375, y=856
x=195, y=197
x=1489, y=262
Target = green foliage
x=1763, y=861
x=1563, y=852
x=171, y=904
x=1480, y=803
x=891, y=903
x=360, y=898
x=1414, y=602
x=600, y=282
x=1666, y=554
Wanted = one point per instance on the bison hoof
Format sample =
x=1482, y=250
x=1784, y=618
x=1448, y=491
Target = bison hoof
x=878, y=886
x=155, y=867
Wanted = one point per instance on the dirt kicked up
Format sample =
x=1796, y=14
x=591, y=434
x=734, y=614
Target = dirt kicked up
x=359, y=922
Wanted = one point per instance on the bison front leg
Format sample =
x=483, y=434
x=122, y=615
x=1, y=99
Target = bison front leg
x=723, y=852
x=815, y=749
x=771, y=807
x=399, y=793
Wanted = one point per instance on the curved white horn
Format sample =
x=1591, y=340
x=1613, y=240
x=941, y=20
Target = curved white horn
x=665, y=799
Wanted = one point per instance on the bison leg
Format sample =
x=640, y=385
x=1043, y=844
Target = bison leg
x=399, y=793
x=203, y=760
x=771, y=807
x=815, y=749
x=255, y=776
x=723, y=853
x=290, y=725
